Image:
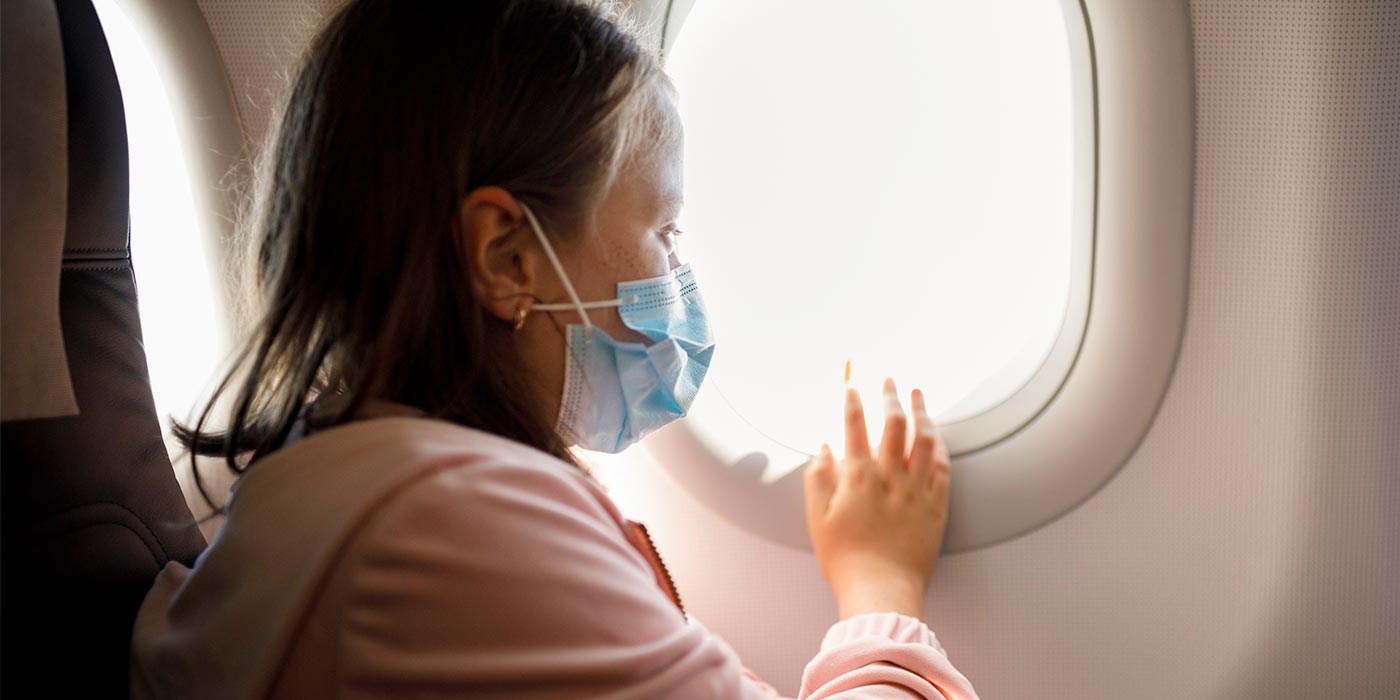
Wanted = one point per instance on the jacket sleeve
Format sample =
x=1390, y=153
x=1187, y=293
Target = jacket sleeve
x=517, y=582
x=872, y=656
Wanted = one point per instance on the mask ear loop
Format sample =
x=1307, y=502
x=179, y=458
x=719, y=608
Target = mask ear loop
x=568, y=287
x=575, y=304
x=558, y=268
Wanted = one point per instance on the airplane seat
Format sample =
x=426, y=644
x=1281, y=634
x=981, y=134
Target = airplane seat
x=90, y=510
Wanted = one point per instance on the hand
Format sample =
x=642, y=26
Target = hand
x=877, y=520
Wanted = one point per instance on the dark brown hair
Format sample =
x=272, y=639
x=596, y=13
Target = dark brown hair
x=360, y=287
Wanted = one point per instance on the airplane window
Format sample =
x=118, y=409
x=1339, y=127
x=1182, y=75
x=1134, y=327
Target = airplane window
x=183, y=337
x=890, y=185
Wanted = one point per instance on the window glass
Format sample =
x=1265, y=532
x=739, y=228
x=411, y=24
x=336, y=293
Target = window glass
x=888, y=182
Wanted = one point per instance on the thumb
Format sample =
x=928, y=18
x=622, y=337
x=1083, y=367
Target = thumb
x=820, y=480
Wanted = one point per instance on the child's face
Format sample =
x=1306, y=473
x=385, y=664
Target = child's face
x=629, y=236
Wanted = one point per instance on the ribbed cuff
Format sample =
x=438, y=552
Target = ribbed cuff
x=893, y=626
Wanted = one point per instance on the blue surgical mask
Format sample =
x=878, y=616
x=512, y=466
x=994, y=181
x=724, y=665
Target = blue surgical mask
x=615, y=393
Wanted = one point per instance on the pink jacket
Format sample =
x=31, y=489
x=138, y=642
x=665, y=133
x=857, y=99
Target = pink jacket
x=408, y=557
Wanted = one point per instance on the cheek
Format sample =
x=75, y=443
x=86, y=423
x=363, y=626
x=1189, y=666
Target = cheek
x=636, y=260
x=639, y=259
x=597, y=273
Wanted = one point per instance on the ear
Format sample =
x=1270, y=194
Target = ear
x=495, y=242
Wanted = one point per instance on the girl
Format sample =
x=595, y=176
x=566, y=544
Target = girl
x=466, y=264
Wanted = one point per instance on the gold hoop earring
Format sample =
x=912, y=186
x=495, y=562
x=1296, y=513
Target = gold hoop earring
x=520, y=314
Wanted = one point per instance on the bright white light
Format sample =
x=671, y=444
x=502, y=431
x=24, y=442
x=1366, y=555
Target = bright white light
x=885, y=181
x=180, y=305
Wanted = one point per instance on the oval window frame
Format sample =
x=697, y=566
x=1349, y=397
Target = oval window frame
x=1028, y=460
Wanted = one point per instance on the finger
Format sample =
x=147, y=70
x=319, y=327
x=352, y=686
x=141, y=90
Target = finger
x=892, y=442
x=820, y=482
x=942, y=463
x=857, y=440
x=925, y=448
